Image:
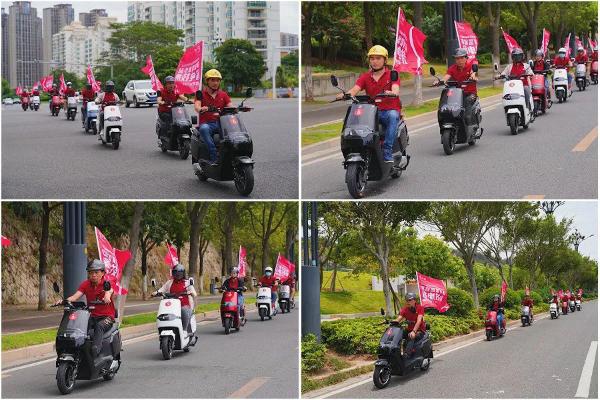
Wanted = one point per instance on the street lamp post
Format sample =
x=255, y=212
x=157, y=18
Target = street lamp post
x=548, y=207
x=453, y=13
x=577, y=238
x=74, y=246
x=310, y=278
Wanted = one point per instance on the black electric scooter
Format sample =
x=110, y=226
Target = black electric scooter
x=391, y=357
x=452, y=118
x=179, y=132
x=362, y=140
x=74, y=346
x=234, y=149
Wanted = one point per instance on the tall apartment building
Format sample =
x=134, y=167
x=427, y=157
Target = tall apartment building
x=216, y=21
x=21, y=41
x=288, y=39
x=55, y=18
x=76, y=45
x=90, y=18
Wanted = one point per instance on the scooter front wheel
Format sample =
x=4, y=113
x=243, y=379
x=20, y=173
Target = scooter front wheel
x=244, y=179
x=184, y=150
x=426, y=363
x=513, y=122
x=166, y=346
x=65, y=377
x=227, y=326
x=448, y=141
x=356, y=180
x=488, y=335
x=382, y=376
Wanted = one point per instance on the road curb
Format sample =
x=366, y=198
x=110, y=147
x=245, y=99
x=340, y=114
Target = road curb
x=25, y=355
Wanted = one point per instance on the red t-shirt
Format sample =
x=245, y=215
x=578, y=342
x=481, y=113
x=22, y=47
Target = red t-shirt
x=539, y=66
x=462, y=74
x=167, y=96
x=109, y=98
x=595, y=56
x=178, y=286
x=561, y=62
x=70, y=92
x=565, y=297
x=269, y=281
x=96, y=293
x=220, y=100
x=36, y=93
x=411, y=316
x=528, y=303
x=518, y=69
x=88, y=94
x=581, y=58
x=24, y=94
x=372, y=87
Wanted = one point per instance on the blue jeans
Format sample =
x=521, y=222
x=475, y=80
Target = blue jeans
x=499, y=318
x=390, y=120
x=273, y=298
x=207, y=130
x=240, y=304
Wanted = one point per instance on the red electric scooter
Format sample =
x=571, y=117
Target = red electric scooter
x=230, y=316
x=491, y=325
x=541, y=101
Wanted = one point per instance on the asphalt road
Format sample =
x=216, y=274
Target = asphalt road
x=541, y=361
x=17, y=319
x=557, y=157
x=45, y=157
x=260, y=361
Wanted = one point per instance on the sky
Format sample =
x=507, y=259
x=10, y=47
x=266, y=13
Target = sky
x=289, y=11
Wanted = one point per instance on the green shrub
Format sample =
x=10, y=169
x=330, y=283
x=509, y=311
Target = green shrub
x=313, y=354
x=535, y=296
x=513, y=300
x=461, y=303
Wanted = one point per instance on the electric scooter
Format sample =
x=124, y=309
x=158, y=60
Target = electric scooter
x=580, y=76
x=491, y=325
x=554, y=311
x=264, y=305
x=518, y=113
x=231, y=316
x=177, y=135
x=561, y=84
x=284, y=298
x=71, y=108
x=526, y=317
x=110, y=130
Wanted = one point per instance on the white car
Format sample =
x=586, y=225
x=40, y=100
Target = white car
x=139, y=92
x=8, y=100
x=17, y=100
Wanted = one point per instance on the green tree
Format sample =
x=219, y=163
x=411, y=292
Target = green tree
x=135, y=40
x=240, y=63
x=430, y=256
x=6, y=89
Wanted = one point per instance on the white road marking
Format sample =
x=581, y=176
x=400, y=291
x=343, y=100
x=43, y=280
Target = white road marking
x=583, y=389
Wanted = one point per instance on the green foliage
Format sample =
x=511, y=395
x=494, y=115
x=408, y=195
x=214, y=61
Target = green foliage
x=429, y=256
x=135, y=40
x=312, y=354
x=461, y=303
x=240, y=63
x=7, y=91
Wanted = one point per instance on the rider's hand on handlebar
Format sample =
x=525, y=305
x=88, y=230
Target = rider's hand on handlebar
x=58, y=303
x=340, y=96
x=203, y=109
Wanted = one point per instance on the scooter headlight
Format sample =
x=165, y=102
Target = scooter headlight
x=113, y=119
x=166, y=317
x=511, y=96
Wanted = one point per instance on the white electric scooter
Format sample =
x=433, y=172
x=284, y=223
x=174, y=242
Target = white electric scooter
x=170, y=329
x=580, y=76
x=515, y=103
x=36, y=102
x=561, y=84
x=284, y=298
x=263, y=303
x=113, y=126
x=554, y=311
x=578, y=304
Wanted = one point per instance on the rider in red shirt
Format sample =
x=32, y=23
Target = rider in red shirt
x=87, y=95
x=562, y=61
x=24, y=94
x=268, y=280
x=178, y=284
x=528, y=301
x=103, y=315
x=582, y=58
x=234, y=282
x=108, y=97
x=413, y=313
x=166, y=98
x=518, y=68
x=461, y=71
x=291, y=282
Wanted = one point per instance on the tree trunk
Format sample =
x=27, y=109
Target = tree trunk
x=494, y=25
x=128, y=269
x=468, y=260
x=43, y=256
x=368, y=21
x=383, y=268
x=265, y=253
x=418, y=91
x=144, y=272
x=307, y=10
x=194, y=215
x=510, y=276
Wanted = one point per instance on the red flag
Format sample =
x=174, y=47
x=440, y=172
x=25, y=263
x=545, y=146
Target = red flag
x=36, y=86
x=579, y=43
x=63, y=85
x=91, y=80
x=188, y=76
x=408, y=54
x=5, y=241
x=467, y=39
x=545, y=41
x=47, y=82
x=511, y=43
x=18, y=91
x=567, y=45
x=591, y=43
x=242, y=263
x=569, y=292
x=527, y=290
x=283, y=268
x=433, y=293
x=580, y=292
x=171, y=258
x=149, y=70
x=503, y=291
x=114, y=260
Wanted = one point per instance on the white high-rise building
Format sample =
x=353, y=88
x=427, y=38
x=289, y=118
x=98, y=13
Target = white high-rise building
x=216, y=21
x=76, y=45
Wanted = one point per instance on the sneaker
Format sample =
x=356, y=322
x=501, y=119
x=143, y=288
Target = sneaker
x=388, y=159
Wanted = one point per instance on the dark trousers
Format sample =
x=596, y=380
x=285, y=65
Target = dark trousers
x=472, y=109
x=101, y=325
x=410, y=343
x=166, y=121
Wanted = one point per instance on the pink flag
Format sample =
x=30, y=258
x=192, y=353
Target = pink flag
x=242, y=263
x=433, y=293
x=579, y=43
x=171, y=258
x=503, y=291
x=188, y=76
x=283, y=268
x=18, y=91
x=63, y=85
x=567, y=45
x=47, y=82
x=580, y=292
x=149, y=70
x=91, y=80
x=560, y=293
x=5, y=241
x=511, y=43
x=591, y=43
x=114, y=260
x=408, y=54
x=545, y=41
x=467, y=39
x=569, y=292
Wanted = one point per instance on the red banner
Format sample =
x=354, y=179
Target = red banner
x=149, y=70
x=5, y=241
x=591, y=43
x=560, y=293
x=567, y=45
x=171, y=258
x=188, y=76
x=579, y=43
x=467, y=39
x=283, y=268
x=545, y=41
x=18, y=91
x=433, y=293
x=408, y=54
x=242, y=263
x=503, y=291
x=47, y=82
x=114, y=260
x=511, y=43
x=569, y=292
x=63, y=85
x=91, y=80
x=580, y=292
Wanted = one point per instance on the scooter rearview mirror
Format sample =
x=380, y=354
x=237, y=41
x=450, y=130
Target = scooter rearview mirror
x=334, y=81
x=394, y=76
x=191, y=281
x=495, y=67
x=153, y=282
x=55, y=287
x=106, y=286
x=432, y=71
x=475, y=67
x=249, y=92
x=381, y=310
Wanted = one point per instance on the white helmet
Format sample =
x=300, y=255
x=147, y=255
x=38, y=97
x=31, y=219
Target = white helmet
x=268, y=270
x=562, y=52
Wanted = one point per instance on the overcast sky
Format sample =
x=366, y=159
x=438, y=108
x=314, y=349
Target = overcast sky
x=289, y=11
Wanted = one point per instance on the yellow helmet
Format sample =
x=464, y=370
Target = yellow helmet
x=378, y=50
x=212, y=73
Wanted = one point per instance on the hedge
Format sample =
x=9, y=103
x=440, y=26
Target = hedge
x=513, y=300
x=313, y=354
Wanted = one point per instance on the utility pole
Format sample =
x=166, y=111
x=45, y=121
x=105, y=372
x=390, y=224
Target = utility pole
x=74, y=246
x=310, y=282
x=452, y=13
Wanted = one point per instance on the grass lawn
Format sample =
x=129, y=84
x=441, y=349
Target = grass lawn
x=324, y=132
x=357, y=296
x=18, y=340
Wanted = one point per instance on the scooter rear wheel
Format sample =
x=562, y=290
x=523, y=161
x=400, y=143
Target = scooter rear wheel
x=426, y=363
x=65, y=377
x=382, y=376
x=356, y=180
x=448, y=141
x=184, y=150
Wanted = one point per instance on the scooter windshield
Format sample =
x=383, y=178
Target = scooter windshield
x=452, y=97
x=179, y=115
x=74, y=325
x=361, y=116
x=232, y=124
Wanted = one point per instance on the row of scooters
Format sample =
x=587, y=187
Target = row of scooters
x=233, y=142
x=362, y=135
x=566, y=306
x=75, y=360
x=30, y=104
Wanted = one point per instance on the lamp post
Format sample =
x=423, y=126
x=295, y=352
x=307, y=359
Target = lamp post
x=453, y=12
x=310, y=277
x=577, y=238
x=74, y=246
x=550, y=206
